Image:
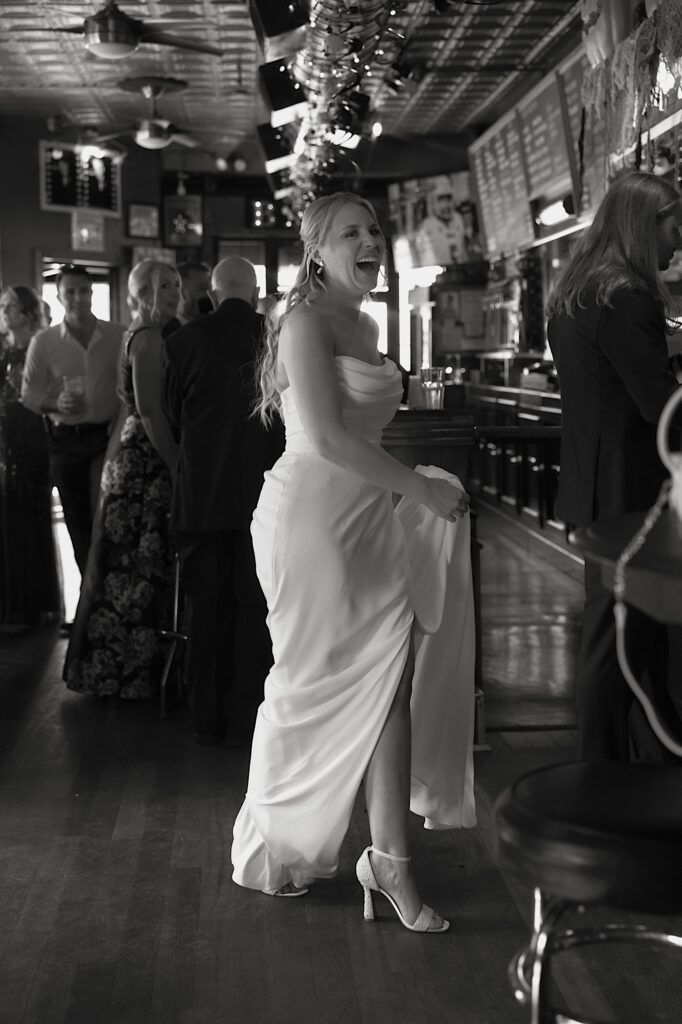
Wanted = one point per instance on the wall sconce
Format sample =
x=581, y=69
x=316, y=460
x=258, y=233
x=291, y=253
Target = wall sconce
x=262, y=213
x=554, y=213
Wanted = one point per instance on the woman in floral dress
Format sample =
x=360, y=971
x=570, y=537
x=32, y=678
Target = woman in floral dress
x=29, y=581
x=126, y=592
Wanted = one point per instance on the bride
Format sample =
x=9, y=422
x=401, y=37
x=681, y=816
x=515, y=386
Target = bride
x=351, y=585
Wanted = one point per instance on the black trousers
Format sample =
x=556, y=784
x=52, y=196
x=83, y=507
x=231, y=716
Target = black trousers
x=229, y=650
x=611, y=724
x=76, y=459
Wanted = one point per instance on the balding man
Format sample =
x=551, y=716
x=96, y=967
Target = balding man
x=224, y=452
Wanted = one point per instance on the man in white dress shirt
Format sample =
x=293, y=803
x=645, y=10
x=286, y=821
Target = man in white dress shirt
x=70, y=378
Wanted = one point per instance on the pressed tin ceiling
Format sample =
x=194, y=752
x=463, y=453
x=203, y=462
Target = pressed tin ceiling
x=462, y=65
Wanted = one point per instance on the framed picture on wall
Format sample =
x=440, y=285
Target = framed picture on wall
x=76, y=177
x=87, y=231
x=182, y=221
x=152, y=252
x=142, y=220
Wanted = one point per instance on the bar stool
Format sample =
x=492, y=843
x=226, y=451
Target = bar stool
x=586, y=834
x=604, y=832
x=176, y=638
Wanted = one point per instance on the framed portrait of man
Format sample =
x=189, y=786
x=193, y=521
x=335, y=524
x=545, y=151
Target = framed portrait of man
x=75, y=177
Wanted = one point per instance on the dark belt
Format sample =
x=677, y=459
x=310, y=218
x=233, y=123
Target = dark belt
x=75, y=429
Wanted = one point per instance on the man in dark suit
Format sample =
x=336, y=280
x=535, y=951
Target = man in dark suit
x=209, y=388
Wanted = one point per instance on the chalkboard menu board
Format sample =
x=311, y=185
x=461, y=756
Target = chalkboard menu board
x=499, y=172
x=594, y=147
x=544, y=142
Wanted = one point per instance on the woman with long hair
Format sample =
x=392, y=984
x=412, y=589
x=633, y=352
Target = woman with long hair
x=29, y=581
x=607, y=331
x=343, y=586
x=124, y=600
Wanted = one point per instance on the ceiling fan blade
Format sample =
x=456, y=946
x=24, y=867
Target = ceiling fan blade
x=165, y=39
x=179, y=19
x=75, y=29
x=184, y=140
x=116, y=135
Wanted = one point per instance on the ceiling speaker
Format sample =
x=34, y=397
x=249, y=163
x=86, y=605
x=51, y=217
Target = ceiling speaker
x=281, y=28
x=283, y=94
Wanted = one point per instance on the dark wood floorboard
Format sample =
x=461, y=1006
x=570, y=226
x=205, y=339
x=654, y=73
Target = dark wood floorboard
x=117, y=905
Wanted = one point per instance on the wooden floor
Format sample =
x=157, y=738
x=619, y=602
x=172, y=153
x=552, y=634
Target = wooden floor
x=116, y=904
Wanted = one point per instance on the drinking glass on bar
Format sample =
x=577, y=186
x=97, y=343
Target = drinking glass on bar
x=433, y=386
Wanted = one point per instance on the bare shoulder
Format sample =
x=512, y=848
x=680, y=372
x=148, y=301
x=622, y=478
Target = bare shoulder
x=144, y=339
x=304, y=329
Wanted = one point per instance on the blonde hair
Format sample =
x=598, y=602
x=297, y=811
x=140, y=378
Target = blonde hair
x=308, y=287
x=144, y=284
x=619, y=249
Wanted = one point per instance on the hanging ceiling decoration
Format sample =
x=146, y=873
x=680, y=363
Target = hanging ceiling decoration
x=350, y=50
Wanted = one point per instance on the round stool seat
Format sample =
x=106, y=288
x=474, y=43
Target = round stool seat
x=596, y=833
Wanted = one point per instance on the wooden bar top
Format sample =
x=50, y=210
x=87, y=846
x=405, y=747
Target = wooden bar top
x=422, y=437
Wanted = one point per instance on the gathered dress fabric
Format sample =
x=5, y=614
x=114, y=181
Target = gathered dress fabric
x=346, y=577
x=126, y=592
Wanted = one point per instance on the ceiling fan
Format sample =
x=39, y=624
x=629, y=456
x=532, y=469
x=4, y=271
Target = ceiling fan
x=114, y=35
x=153, y=132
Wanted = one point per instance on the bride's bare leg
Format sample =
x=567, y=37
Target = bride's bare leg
x=387, y=789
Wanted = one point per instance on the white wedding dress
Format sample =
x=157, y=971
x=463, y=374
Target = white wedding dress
x=344, y=575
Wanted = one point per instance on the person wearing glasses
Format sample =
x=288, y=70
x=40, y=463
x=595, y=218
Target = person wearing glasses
x=29, y=583
x=70, y=378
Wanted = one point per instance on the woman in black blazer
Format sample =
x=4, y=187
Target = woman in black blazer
x=608, y=314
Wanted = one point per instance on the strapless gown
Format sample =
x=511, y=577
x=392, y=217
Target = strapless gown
x=345, y=576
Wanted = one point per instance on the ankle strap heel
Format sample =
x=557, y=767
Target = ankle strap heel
x=390, y=856
x=427, y=919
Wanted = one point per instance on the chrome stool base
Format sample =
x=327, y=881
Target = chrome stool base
x=529, y=971
x=588, y=835
x=176, y=638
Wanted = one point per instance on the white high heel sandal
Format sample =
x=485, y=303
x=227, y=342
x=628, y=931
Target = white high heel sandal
x=367, y=879
x=288, y=890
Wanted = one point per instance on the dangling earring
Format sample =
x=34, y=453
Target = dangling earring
x=320, y=268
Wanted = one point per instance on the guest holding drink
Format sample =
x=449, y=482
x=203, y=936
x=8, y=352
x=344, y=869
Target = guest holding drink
x=70, y=379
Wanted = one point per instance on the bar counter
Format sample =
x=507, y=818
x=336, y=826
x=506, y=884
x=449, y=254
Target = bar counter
x=427, y=437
